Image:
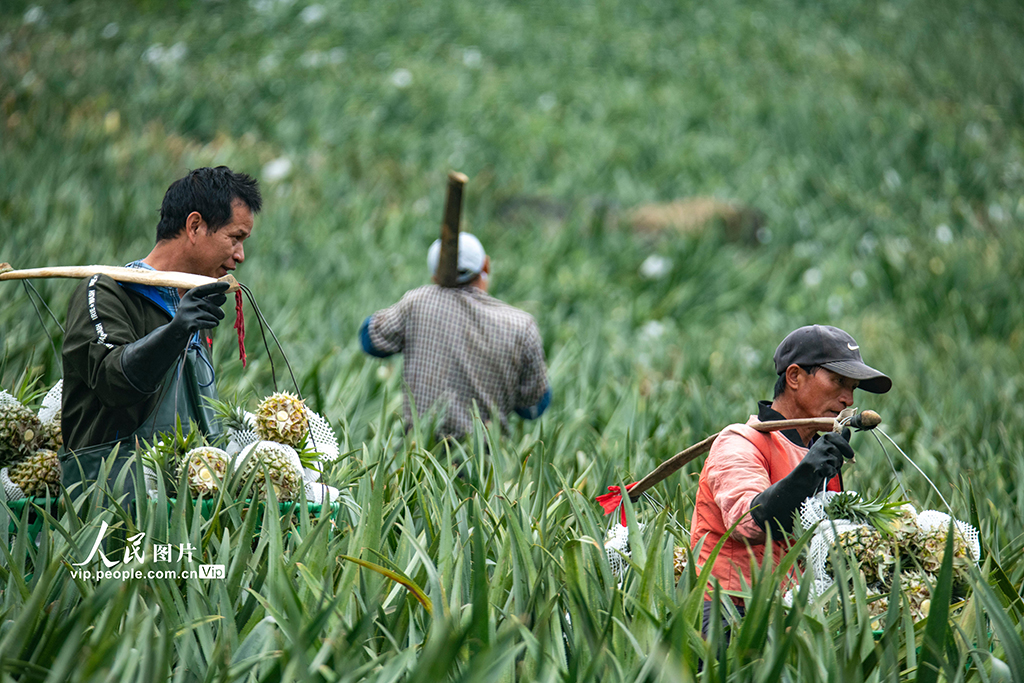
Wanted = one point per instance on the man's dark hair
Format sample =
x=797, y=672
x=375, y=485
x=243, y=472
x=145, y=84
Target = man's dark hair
x=211, y=192
x=780, y=383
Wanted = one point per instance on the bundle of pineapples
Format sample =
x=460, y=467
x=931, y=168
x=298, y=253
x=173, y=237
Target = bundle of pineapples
x=880, y=534
x=283, y=438
x=28, y=448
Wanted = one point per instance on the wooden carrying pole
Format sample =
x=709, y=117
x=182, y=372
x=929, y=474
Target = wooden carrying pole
x=158, y=278
x=448, y=261
x=868, y=420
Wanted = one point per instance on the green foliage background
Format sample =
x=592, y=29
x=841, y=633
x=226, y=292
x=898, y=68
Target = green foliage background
x=883, y=141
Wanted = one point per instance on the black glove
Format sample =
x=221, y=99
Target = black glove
x=146, y=361
x=777, y=503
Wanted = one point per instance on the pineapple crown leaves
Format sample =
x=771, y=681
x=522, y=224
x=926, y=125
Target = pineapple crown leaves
x=168, y=449
x=231, y=412
x=879, y=511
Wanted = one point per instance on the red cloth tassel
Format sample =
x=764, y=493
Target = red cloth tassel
x=240, y=325
x=610, y=501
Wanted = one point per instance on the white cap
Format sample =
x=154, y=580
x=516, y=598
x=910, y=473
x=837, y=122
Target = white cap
x=471, y=257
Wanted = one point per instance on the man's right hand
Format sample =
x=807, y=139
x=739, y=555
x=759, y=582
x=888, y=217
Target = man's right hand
x=825, y=457
x=146, y=361
x=776, y=504
x=200, y=308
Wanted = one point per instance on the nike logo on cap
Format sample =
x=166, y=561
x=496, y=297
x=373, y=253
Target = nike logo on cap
x=851, y=346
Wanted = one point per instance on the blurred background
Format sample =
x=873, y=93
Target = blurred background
x=668, y=187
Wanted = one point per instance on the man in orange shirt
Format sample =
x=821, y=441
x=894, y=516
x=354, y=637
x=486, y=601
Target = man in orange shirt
x=758, y=480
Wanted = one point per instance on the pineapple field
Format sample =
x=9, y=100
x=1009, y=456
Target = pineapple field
x=668, y=188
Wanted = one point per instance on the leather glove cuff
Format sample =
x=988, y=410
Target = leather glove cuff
x=146, y=361
x=777, y=504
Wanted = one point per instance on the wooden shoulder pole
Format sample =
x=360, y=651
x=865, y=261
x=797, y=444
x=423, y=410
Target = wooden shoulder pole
x=448, y=262
x=159, y=278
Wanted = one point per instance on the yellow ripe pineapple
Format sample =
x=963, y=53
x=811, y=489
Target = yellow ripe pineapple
x=284, y=470
x=38, y=474
x=281, y=417
x=19, y=430
x=207, y=469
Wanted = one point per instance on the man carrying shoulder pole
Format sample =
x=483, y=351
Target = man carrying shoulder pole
x=137, y=357
x=759, y=479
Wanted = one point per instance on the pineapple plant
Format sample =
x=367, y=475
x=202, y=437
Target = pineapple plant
x=284, y=471
x=19, y=430
x=281, y=417
x=38, y=474
x=207, y=468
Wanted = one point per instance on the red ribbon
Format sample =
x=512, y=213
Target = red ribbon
x=240, y=325
x=610, y=501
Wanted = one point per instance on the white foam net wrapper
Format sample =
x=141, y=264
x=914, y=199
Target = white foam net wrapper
x=238, y=439
x=932, y=520
x=616, y=546
x=7, y=400
x=321, y=437
x=318, y=493
x=49, y=411
x=11, y=490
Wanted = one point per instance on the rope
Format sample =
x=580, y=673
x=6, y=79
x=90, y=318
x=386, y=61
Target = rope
x=263, y=321
x=240, y=326
x=29, y=290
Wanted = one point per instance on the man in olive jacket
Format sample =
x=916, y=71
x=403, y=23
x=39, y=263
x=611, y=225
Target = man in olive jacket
x=137, y=357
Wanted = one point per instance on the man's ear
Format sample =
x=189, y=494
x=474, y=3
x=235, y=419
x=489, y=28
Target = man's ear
x=487, y=265
x=794, y=375
x=193, y=224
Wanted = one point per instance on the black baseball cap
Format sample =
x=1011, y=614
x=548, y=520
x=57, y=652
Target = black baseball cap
x=830, y=348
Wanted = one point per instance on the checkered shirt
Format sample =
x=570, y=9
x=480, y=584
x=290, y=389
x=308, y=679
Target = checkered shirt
x=462, y=345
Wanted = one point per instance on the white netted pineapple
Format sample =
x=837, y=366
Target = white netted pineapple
x=19, y=430
x=284, y=469
x=207, y=469
x=37, y=474
x=281, y=417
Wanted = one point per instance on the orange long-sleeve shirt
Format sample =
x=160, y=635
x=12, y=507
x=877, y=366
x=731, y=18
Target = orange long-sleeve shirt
x=742, y=463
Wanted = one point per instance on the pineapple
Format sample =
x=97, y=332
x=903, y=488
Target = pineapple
x=207, y=468
x=878, y=604
x=19, y=430
x=283, y=469
x=38, y=474
x=933, y=550
x=281, y=417
x=866, y=545
x=918, y=592
x=50, y=436
x=678, y=561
